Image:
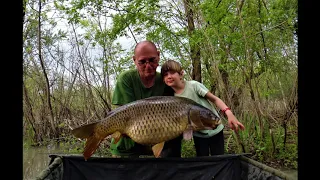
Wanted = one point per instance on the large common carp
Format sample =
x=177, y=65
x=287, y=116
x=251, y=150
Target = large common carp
x=150, y=121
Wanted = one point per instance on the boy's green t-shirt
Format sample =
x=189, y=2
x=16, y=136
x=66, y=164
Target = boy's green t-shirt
x=196, y=91
x=129, y=88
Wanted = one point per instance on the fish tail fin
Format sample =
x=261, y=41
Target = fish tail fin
x=93, y=141
x=84, y=131
x=91, y=146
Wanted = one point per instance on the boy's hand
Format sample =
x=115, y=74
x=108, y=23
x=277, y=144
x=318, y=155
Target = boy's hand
x=233, y=122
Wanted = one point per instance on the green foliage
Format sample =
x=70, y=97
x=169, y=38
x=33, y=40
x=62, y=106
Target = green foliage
x=103, y=151
x=28, y=139
x=262, y=147
x=187, y=149
x=289, y=155
x=71, y=146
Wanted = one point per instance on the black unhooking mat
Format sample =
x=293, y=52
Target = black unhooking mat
x=222, y=167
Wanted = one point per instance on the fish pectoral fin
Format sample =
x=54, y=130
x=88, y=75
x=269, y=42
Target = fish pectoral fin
x=187, y=134
x=195, y=118
x=157, y=149
x=116, y=136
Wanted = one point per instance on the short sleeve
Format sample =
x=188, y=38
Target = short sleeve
x=123, y=92
x=200, y=89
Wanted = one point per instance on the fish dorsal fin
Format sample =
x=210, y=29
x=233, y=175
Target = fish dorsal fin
x=187, y=134
x=157, y=149
x=152, y=98
x=116, y=136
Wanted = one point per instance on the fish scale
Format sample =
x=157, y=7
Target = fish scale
x=150, y=121
x=150, y=131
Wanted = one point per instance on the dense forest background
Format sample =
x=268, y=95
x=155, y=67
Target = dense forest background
x=245, y=52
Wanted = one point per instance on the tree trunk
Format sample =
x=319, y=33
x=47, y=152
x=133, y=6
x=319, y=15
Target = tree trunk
x=45, y=75
x=30, y=117
x=91, y=99
x=194, y=47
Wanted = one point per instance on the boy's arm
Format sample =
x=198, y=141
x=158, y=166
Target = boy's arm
x=233, y=122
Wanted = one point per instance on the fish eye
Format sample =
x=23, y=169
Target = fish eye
x=205, y=113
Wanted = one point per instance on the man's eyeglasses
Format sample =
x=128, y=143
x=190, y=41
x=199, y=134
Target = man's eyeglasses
x=151, y=61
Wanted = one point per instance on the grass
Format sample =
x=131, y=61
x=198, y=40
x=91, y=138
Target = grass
x=268, y=147
x=187, y=149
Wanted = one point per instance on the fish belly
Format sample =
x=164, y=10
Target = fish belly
x=155, y=128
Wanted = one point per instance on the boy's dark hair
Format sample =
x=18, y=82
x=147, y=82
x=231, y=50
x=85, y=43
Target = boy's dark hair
x=171, y=65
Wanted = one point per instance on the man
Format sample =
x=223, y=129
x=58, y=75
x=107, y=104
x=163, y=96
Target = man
x=140, y=83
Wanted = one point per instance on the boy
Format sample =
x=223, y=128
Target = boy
x=206, y=141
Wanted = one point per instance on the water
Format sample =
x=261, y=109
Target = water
x=36, y=159
x=293, y=173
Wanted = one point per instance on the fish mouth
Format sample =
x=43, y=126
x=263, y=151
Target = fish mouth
x=203, y=126
x=211, y=124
